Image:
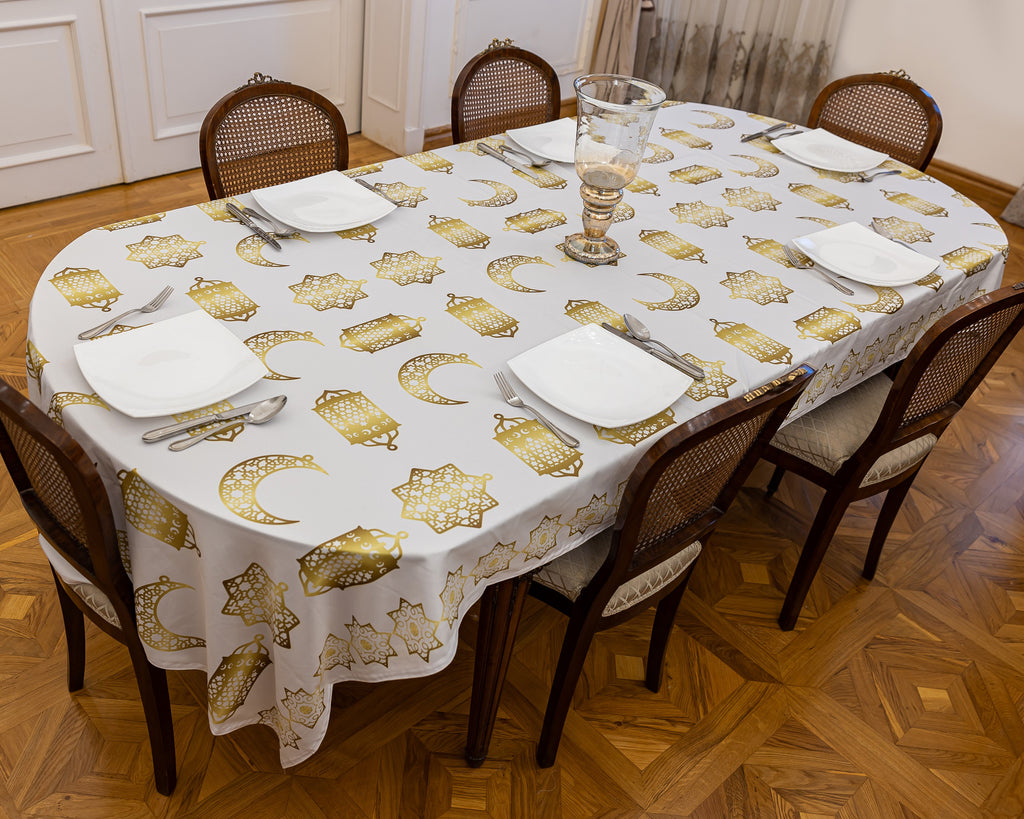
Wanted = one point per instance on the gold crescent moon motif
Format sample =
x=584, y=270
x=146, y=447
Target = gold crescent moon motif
x=251, y=247
x=500, y=272
x=684, y=294
x=659, y=153
x=888, y=301
x=262, y=343
x=503, y=195
x=721, y=121
x=413, y=375
x=765, y=167
x=154, y=633
x=238, y=486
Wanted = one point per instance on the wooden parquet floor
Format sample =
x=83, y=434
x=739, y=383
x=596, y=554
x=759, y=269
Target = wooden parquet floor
x=903, y=697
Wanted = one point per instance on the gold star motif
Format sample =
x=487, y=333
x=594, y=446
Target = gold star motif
x=255, y=598
x=750, y=199
x=543, y=538
x=325, y=292
x=445, y=497
x=452, y=595
x=303, y=706
x=282, y=726
x=164, y=251
x=336, y=652
x=590, y=515
x=407, y=268
x=496, y=560
x=414, y=627
x=370, y=645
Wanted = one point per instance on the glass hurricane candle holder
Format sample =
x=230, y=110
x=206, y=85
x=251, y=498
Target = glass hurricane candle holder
x=614, y=119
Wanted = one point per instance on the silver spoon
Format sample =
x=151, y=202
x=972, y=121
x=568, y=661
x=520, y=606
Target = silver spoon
x=639, y=331
x=261, y=413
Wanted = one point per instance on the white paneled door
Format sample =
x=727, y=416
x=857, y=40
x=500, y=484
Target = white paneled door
x=173, y=59
x=57, y=128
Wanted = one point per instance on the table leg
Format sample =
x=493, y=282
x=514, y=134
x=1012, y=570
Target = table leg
x=500, y=611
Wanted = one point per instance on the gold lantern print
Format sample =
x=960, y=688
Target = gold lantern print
x=164, y=251
x=222, y=300
x=34, y=363
x=482, y=316
x=672, y=245
x=364, y=170
x=407, y=268
x=639, y=185
x=537, y=447
x=633, y=434
x=458, y=232
x=756, y=287
x=150, y=512
x=234, y=678
x=381, y=332
x=83, y=287
x=749, y=198
x=542, y=178
x=429, y=161
x=970, y=260
x=357, y=418
x=701, y=214
x=932, y=280
x=354, y=558
x=819, y=195
x=687, y=139
x=59, y=401
x=140, y=220
x=695, y=174
x=593, y=312
x=363, y=233
x=769, y=248
x=622, y=212
x=827, y=324
x=915, y=203
x=218, y=210
x=752, y=342
x=534, y=221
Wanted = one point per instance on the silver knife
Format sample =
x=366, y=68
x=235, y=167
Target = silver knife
x=682, y=365
x=160, y=433
x=770, y=130
x=375, y=189
x=519, y=166
x=236, y=211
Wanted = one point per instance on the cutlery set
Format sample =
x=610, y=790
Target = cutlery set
x=149, y=307
x=244, y=215
x=258, y=412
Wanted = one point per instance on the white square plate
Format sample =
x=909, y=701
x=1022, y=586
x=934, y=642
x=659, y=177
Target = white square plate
x=822, y=149
x=175, y=365
x=555, y=140
x=323, y=203
x=592, y=375
x=858, y=253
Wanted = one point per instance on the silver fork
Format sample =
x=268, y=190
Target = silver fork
x=793, y=260
x=513, y=400
x=149, y=307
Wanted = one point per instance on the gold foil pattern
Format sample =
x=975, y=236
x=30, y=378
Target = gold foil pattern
x=83, y=287
x=34, y=363
x=970, y=260
x=429, y=161
x=458, y=232
x=534, y=221
x=716, y=381
x=354, y=558
x=413, y=375
x=152, y=632
x=543, y=537
x=537, y=447
x=60, y=401
x=164, y=251
x=238, y=485
x=684, y=295
x=764, y=168
x=633, y=434
x=381, y=332
x=407, y=268
x=263, y=343
x=756, y=287
x=752, y=200
x=234, y=678
x=503, y=195
x=256, y=598
x=753, y=342
x=701, y=214
x=222, y=300
x=593, y=514
x=482, y=316
x=819, y=195
x=370, y=645
x=593, y=312
x=695, y=174
x=327, y=292
x=357, y=418
x=141, y=220
x=672, y=245
x=418, y=632
x=445, y=497
x=888, y=301
x=827, y=324
x=719, y=121
x=151, y=513
x=686, y=138
x=500, y=272
x=915, y=203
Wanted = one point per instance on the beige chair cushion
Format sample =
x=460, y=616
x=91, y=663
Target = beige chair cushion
x=79, y=584
x=569, y=574
x=830, y=434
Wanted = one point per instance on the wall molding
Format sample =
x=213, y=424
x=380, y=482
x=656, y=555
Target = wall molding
x=992, y=194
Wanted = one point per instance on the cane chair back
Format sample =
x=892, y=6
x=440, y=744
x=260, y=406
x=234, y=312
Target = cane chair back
x=269, y=132
x=64, y=496
x=887, y=112
x=503, y=87
x=885, y=431
x=672, y=502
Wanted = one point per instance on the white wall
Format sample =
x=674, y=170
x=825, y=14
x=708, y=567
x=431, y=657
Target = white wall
x=966, y=53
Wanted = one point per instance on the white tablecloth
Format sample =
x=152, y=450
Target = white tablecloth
x=346, y=539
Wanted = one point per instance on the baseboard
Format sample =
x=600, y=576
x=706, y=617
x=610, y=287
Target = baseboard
x=441, y=136
x=991, y=194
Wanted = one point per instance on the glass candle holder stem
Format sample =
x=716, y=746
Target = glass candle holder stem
x=593, y=245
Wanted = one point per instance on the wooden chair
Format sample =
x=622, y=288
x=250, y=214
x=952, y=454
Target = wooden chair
x=269, y=132
x=503, y=87
x=65, y=498
x=887, y=112
x=672, y=503
x=876, y=436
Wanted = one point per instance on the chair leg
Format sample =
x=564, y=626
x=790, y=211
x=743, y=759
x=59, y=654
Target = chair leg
x=830, y=513
x=156, y=704
x=74, y=633
x=578, y=637
x=774, y=481
x=890, y=508
x=663, y=619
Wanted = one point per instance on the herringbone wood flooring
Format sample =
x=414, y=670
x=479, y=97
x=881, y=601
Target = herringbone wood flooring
x=903, y=697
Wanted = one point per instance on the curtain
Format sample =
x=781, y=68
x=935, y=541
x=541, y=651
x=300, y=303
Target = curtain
x=768, y=57
x=615, y=50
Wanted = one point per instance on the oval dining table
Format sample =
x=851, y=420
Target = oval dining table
x=348, y=537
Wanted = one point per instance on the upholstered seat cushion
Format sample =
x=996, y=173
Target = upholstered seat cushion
x=570, y=573
x=79, y=584
x=830, y=434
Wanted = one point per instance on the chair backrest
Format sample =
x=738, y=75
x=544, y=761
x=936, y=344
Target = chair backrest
x=885, y=112
x=64, y=496
x=681, y=488
x=269, y=132
x=500, y=88
x=944, y=368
